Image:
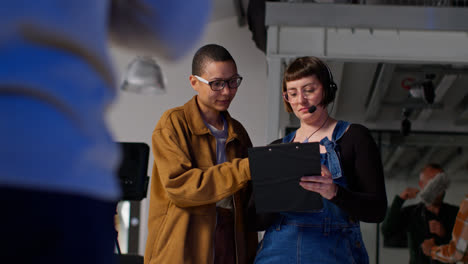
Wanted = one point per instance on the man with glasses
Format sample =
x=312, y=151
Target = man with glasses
x=201, y=179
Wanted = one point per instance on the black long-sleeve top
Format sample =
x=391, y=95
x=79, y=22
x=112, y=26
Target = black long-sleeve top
x=365, y=197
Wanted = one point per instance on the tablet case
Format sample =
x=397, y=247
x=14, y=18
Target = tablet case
x=276, y=171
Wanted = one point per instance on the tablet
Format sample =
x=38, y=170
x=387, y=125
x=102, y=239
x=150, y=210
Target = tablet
x=276, y=171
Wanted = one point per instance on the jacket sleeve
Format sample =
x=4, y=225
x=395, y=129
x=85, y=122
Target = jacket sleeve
x=187, y=185
x=367, y=199
x=397, y=218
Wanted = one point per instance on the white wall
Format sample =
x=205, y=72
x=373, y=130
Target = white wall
x=133, y=117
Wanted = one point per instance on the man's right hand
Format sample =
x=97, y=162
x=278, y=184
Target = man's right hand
x=427, y=245
x=409, y=193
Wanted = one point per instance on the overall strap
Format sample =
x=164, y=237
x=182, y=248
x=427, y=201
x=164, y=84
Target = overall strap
x=331, y=146
x=289, y=137
x=340, y=129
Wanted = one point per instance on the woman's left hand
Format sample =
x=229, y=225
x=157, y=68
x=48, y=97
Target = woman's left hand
x=320, y=184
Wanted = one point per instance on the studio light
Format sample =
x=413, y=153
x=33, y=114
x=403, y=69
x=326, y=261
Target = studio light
x=144, y=76
x=424, y=89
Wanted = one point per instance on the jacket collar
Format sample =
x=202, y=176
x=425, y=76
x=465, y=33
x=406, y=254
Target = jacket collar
x=196, y=123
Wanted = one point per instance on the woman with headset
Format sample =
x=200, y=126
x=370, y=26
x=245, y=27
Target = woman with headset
x=351, y=181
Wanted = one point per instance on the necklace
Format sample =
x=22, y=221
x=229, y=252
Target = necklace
x=307, y=138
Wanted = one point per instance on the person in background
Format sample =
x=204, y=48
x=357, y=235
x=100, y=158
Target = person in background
x=457, y=248
x=58, y=187
x=200, y=185
x=351, y=181
x=421, y=221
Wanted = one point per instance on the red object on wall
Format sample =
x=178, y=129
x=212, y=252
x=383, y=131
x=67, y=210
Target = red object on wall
x=406, y=83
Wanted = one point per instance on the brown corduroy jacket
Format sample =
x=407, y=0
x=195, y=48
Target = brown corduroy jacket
x=186, y=184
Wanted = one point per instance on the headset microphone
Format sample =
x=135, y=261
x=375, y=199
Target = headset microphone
x=312, y=109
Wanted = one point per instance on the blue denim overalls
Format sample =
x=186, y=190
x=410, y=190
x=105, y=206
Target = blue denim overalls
x=324, y=236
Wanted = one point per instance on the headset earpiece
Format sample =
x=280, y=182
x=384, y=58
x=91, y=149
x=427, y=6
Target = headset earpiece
x=332, y=85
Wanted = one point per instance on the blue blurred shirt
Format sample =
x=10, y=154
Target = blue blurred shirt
x=57, y=81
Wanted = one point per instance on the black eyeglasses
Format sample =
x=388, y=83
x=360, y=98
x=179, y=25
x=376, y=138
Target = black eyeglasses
x=218, y=85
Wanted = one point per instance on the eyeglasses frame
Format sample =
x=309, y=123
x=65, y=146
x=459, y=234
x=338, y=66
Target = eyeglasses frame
x=298, y=98
x=226, y=82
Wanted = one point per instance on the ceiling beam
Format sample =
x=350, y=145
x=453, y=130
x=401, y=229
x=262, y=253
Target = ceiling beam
x=378, y=90
x=462, y=118
x=456, y=162
x=394, y=157
x=436, y=139
x=366, y=16
x=423, y=160
x=438, y=69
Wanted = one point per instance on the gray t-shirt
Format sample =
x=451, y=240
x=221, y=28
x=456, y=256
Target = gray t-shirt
x=221, y=137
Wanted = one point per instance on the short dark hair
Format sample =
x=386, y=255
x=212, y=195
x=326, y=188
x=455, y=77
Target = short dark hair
x=305, y=67
x=435, y=166
x=208, y=53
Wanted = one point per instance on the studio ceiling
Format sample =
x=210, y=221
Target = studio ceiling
x=377, y=94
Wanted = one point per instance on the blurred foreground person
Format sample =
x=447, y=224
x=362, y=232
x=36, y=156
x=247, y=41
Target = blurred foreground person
x=58, y=186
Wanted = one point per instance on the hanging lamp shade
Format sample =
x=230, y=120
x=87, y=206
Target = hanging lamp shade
x=144, y=76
